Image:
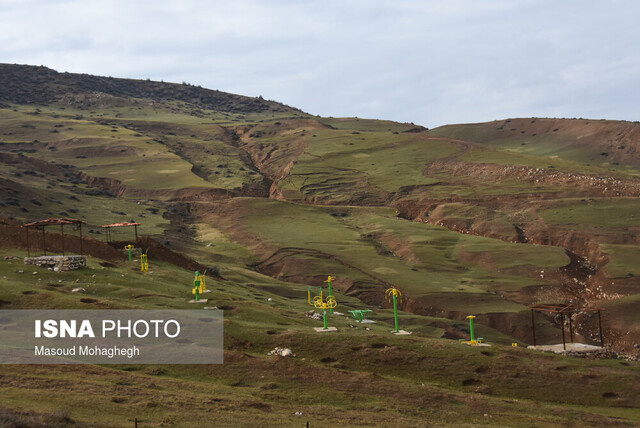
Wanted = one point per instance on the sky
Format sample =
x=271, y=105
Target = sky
x=427, y=62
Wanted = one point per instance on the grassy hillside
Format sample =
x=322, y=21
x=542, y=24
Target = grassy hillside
x=365, y=376
x=465, y=219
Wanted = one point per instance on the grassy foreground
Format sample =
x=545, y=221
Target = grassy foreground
x=357, y=376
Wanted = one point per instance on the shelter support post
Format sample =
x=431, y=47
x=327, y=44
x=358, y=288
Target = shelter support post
x=570, y=328
x=600, y=324
x=564, y=342
x=62, y=237
x=28, y=247
x=533, y=327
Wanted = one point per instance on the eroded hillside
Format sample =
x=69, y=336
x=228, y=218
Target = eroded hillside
x=483, y=218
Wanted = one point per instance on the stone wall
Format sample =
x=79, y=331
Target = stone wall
x=57, y=263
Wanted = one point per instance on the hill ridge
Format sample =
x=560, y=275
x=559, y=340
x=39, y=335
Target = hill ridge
x=27, y=84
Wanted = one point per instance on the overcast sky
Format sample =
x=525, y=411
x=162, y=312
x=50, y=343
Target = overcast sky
x=427, y=62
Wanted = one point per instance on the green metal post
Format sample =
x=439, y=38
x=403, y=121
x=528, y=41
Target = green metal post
x=325, y=319
x=395, y=311
x=473, y=336
x=129, y=253
x=197, y=294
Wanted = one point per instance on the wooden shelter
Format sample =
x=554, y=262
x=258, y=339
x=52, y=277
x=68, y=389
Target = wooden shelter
x=52, y=221
x=563, y=309
x=123, y=224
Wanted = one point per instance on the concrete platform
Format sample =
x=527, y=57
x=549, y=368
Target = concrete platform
x=571, y=347
x=199, y=301
x=367, y=321
x=322, y=330
x=401, y=332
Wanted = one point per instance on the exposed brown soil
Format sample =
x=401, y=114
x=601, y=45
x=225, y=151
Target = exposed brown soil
x=588, y=184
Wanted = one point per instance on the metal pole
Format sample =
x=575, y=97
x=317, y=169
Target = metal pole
x=533, y=327
x=81, y=250
x=471, y=332
x=330, y=310
x=44, y=241
x=136, y=228
x=28, y=247
x=564, y=344
x=62, y=233
x=325, y=319
x=600, y=323
x=395, y=311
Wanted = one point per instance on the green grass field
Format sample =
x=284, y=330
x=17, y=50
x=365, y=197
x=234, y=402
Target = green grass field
x=356, y=380
x=376, y=204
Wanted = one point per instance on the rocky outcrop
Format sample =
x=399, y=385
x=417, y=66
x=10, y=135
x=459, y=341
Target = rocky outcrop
x=58, y=263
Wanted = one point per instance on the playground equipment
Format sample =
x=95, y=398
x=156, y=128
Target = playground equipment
x=144, y=264
x=328, y=281
x=473, y=341
x=359, y=314
x=329, y=303
x=200, y=281
x=129, y=248
x=397, y=295
x=309, y=295
x=196, y=291
x=199, y=287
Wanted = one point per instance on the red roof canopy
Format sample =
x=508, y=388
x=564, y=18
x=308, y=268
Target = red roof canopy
x=121, y=224
x=53, y=221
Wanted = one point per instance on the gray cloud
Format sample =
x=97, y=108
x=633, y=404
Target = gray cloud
x=428, y=62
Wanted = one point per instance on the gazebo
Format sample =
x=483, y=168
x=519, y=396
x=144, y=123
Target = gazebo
x=123, y=224
x=563, y=309
x=52, y=221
